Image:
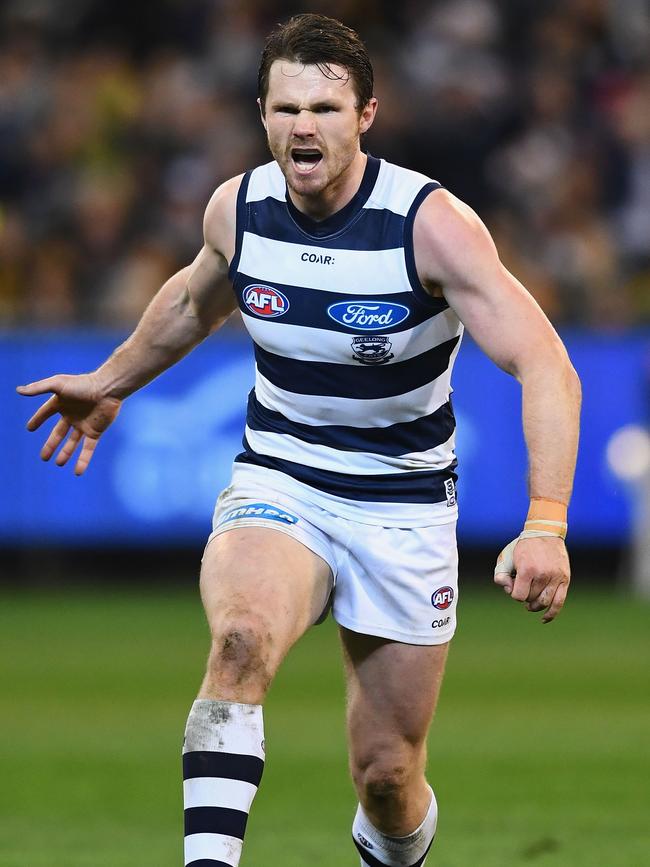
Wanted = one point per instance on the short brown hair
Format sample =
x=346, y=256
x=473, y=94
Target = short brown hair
x=323, y=42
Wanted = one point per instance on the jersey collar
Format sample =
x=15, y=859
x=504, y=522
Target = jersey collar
x=340, y=219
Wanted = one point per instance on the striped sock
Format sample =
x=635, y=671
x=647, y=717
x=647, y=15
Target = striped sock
x=379, y=850
x=223, y=760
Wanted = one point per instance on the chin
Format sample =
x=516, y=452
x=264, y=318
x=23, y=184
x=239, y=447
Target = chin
x=306, y=185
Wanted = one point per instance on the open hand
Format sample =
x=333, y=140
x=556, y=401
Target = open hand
x=85, y=415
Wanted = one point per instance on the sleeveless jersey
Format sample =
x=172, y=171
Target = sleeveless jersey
x=351, y=404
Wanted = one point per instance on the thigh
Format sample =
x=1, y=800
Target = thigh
x=399, y=584
x=264, y=578
x=392, y=690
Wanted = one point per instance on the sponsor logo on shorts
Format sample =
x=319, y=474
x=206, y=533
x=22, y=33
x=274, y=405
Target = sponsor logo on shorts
x=450, y=491
x=372, y=349
x=364, y=842
x=265, y=301
x=442, y=598
x=368, y=315
x=438, y=623
x=259, y=510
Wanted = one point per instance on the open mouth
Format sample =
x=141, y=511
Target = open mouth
x=306, y=159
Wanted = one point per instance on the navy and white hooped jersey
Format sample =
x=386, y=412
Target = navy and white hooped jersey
x=353, y=357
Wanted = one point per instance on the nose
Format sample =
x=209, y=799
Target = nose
x=304, y=125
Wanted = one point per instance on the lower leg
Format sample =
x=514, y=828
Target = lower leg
x=397, y=815
x=392, y=694
x=258, y=601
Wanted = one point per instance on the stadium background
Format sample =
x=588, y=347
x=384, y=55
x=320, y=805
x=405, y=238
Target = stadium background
x=116, y=123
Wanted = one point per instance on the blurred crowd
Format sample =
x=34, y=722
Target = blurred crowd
x=118, y=120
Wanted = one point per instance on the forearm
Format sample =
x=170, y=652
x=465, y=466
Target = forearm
x=170, y=327
x=551, y=418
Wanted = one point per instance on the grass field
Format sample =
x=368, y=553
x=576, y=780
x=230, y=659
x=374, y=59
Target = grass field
x=540, y=752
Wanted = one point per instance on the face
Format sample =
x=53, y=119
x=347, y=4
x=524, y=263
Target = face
x=313, y=125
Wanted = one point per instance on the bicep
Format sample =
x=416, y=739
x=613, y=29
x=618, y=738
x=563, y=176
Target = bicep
x=455, y=250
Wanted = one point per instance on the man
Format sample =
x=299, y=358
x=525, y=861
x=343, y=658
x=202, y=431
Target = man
x=354, y=278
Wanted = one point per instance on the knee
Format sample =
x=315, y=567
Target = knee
x=384, y=777
x=241, y=654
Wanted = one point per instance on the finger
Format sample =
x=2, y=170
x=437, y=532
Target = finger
x=541, y=594
x=69, y=447
x=41, y=386
x=49, y=408
x=87, y=451
x=521, y=588
x=557, y=603
x=505, y=567
x=505, y=580
x=55, y=438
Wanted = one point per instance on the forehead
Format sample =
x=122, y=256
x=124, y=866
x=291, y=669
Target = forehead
x=293, y=81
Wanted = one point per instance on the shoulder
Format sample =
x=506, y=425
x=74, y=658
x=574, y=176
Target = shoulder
x=448, y=235
x=220, y=219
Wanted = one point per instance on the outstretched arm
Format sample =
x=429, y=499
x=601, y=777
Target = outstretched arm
x=190, y=305
x=457, y=257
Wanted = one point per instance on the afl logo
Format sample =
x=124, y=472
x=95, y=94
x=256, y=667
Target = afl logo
x=265, y=301
x=442, y=598
x=368, y=315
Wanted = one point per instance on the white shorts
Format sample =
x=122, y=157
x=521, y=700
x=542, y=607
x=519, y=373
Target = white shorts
x=395, y=583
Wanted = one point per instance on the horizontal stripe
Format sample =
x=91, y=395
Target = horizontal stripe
x=258, y=481
x=350, y=462
x=427, y=486
x=396, y=187
x=218, y=792
x=230, y=766
x=395, y=439
x=215, y=820
x=213, y=847
x=371, y=861
x=354, y=272
x=323, y=343
x=363, y=382
x=225, y=727
x=318, y=410
x=374, y=229
x=207, y=862
x=307, y=307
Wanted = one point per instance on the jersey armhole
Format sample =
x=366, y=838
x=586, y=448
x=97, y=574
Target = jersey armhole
x=409, y=254
x=241, y=224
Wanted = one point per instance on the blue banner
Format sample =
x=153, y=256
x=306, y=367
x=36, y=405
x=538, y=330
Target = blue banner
x=158, y=470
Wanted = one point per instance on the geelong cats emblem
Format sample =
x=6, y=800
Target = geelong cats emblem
x=372, y=349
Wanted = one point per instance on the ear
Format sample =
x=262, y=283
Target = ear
x=262, y=115
x=368, y=115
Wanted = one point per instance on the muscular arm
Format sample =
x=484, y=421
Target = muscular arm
x=192, y=304
x=455, y=252
x=456, y=256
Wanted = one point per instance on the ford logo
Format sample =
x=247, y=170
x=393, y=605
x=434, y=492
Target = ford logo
x=368, y=315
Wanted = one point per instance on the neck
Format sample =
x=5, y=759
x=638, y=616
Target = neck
x=336, y=195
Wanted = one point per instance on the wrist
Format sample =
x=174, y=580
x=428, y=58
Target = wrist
x=104, y=385
x=546, y=517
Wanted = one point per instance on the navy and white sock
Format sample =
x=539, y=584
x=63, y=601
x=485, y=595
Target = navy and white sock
x=223, y=760
x=379, y=850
